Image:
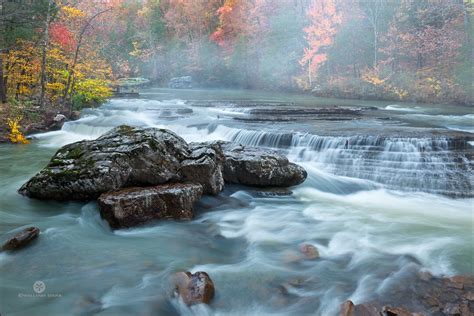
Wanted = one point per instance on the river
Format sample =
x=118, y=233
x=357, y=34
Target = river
x=388, y=191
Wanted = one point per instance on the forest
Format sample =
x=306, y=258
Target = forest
x=68, y=53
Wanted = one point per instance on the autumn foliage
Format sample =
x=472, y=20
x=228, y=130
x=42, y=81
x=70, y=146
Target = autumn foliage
x=374, y=49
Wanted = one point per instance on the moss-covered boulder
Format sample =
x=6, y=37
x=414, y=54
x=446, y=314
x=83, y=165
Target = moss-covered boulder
x=123, y=157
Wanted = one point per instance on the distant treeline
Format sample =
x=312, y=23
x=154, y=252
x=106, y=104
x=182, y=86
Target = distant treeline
x=391, y=49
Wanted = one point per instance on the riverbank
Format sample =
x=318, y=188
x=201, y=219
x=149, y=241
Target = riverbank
x=32, y=119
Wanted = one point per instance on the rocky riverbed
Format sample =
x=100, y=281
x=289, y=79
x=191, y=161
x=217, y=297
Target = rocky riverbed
x=375, y=214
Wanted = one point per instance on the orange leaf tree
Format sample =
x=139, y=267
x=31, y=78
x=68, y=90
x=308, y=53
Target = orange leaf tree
x=323, y=21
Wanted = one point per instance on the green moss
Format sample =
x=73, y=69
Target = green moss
x=153, y=144
x=74, y=153
x=125, y=129
x=88, y=163
x=55, y=163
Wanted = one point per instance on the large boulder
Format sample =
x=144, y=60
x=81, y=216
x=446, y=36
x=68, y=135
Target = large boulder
x=134, y=206
x=22, y=239
x=259, y=167
x=204, y=166
x=141, y=157
x=194, y=288
x=123, y=157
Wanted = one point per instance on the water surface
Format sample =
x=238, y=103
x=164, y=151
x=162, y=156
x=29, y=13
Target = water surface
x=374, y=207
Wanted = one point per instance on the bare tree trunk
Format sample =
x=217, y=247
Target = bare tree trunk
x=375, y=47
x=309, y=75
x=44, y=50
x=3, y=88
x=373, y=11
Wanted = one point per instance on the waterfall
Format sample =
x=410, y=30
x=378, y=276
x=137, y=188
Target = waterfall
x=441, y=165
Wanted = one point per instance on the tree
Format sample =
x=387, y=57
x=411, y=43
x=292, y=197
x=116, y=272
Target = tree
x=373, y=10
x=323, y=21
x=19, y=22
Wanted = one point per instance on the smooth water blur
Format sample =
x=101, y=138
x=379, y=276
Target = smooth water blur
x=247, y=240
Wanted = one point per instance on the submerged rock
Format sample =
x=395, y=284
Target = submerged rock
x=204, y=166
x=259, y=167
x=134, y=206
x=309, y=251
x=194, y=288
x=123, y=157
x=21, y=239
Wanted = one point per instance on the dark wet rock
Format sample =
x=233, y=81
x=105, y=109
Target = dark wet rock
x=185, y=82
x=259, y=167
x=271, y=192
x=422, y=295
x=75, y=115
x=194, y=288
x=123, y=157
x=309, y=251
x=135, y=206
x=21, y=239
x=87, y=305
x=184, y=111
x=205, y=166
x=141, y=157
x=57, y=122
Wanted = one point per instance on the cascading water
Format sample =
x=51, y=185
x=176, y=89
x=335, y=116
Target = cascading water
x=438, y=164
x=358, y=207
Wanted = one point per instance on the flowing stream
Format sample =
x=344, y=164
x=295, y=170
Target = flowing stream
x=386, y=193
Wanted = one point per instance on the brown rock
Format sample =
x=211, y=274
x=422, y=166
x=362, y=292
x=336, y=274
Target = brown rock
x=21, y=239
x=469, y=296
x=194, y=288
x=135, y=206
x=347, y=308
x=395, y=311
x=425, y=275
x=367, y=309
x=309, y=251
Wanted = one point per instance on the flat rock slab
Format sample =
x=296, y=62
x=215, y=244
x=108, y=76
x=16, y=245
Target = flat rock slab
x=135, y=206
x=22, y=239
x=259, y=167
